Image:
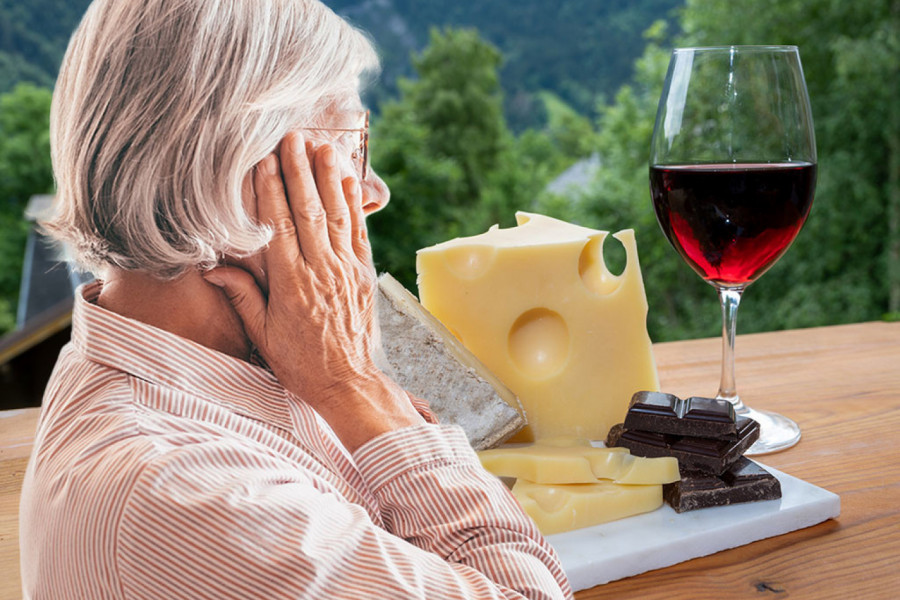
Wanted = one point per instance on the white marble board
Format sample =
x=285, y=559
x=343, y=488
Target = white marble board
x=661, y=538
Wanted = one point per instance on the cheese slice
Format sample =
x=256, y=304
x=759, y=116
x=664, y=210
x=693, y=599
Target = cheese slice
x=537, y=304
x=558, y=508
x=552, y=464
x=427, y=361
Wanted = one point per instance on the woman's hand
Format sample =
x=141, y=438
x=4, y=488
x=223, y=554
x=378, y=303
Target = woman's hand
x=316, y=325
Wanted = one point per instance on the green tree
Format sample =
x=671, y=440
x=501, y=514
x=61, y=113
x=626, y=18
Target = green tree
x=845, y=265
x=25, y=170
x=25, y=167
x=681, y=305
x=570, y=131
x=444, y=149
x=458, y=99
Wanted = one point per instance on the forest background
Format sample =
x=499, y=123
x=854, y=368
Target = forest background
x=481, y=105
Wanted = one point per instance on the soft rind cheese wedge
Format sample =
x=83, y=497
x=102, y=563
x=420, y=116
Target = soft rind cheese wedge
x=559, y=508
x=427, y=361
x=538, y=306
x=548, y=464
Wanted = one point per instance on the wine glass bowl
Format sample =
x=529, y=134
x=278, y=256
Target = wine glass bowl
x=730, y=222
x=732, y=178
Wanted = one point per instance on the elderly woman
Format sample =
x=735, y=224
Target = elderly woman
x=217, y=427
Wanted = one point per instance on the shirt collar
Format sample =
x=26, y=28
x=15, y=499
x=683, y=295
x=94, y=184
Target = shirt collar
x=166, y=359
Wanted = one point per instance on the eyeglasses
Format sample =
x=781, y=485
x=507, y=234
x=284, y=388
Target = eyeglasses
x=361, y=152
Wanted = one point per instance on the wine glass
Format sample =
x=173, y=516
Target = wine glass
x=732, y=176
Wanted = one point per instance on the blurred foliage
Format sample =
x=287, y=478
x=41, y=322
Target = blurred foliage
x=845, y=265
x=24, y=170
x=24, y=145
x=577, y=48
x=681, y=304
x=453, y=145
x=33, y=37
x=444, y=149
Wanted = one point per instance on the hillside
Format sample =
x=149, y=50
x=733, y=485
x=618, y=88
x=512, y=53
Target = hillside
x=578, y=49
x=575, y=48
x=33, y=38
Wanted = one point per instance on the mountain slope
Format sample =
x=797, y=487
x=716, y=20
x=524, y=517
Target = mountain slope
x=33, y=38
x=578, y=49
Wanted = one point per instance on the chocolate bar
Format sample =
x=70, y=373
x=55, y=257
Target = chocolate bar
x=696, y=416
x=745, y=481
x=693, y=453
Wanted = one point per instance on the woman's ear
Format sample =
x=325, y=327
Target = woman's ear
x=248, y=196
x=255, y=264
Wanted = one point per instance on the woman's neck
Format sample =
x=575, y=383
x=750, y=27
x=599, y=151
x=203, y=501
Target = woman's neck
x=187, y=306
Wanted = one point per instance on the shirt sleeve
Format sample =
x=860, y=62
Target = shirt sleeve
x=423, y=408
x=434, y=494
x=208, y=521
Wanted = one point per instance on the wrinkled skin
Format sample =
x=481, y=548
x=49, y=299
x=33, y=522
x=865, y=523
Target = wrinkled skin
x=311, y=314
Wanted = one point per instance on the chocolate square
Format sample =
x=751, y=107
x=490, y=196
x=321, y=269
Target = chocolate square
x=669, y=414
x=745, y=481
x=693, y=453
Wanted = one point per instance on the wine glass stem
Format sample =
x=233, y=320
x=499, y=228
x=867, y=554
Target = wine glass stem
x=730, y=299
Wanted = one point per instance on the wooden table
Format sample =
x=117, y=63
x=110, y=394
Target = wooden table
x=841, y=384
x=16, y=437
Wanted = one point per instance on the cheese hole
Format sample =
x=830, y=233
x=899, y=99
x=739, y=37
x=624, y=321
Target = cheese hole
x=593, y=269
x=539, y=343
x=470, y=262
x=614, y=256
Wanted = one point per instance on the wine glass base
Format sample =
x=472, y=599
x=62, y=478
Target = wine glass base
x=776, y=432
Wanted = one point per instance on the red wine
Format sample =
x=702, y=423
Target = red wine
x=731, y=222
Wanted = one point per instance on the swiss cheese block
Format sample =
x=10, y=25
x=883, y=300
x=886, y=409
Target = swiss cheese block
x=558, y=508
x=427, y=361
x=538, y=305
x=544, y=463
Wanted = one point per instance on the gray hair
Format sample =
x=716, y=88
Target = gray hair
x=161, y=109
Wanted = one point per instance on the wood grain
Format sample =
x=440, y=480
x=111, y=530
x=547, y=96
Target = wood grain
x=841, y=385
x=16, y=438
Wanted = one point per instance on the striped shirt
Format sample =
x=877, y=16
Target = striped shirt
x=164, y=469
